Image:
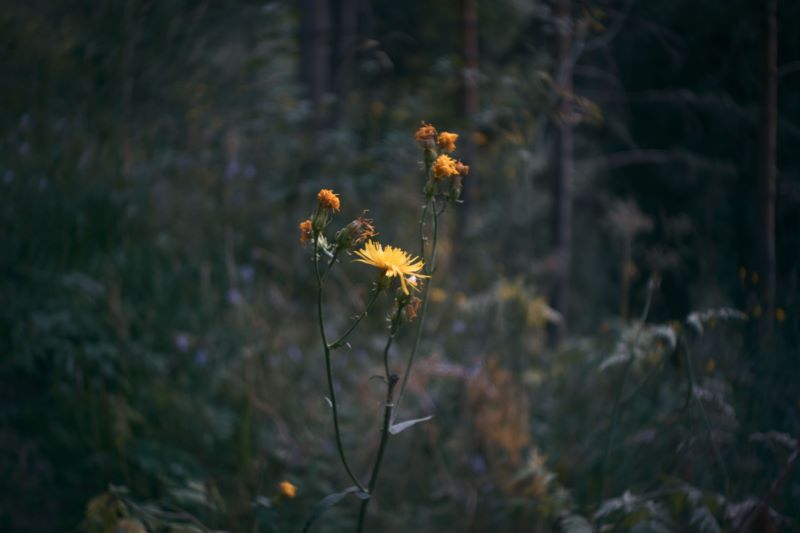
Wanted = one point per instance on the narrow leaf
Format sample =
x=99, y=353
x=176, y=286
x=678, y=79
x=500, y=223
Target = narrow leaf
x=394, y=429
x=329, y=501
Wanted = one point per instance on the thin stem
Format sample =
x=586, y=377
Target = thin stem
x=429, y=269
x=621, y=387
x=333, y=257
x=391, y=381
x=707, y=422
x=329, y=369
x=341, y=340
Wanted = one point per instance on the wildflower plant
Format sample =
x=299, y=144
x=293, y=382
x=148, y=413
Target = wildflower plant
x=411, y=275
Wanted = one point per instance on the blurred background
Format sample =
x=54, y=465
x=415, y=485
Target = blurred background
x=612, y=339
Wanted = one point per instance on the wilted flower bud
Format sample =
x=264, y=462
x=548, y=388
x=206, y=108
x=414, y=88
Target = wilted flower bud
x=412, y=308
x=426, y=136
x=306, y=231
x=356, y=232
x=327, y=203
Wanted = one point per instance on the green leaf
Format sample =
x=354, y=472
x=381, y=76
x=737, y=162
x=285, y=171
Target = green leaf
x=329, y=501
x=575, y=523
x=394, y=429
x=704, y=521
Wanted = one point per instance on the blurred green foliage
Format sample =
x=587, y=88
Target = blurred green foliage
x=157, y=357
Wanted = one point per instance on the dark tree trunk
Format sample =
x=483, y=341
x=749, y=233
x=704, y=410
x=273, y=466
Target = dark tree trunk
x=562, y=171
x=470, y=106
x=315, y=53
x=346, y=21
x=768, y=171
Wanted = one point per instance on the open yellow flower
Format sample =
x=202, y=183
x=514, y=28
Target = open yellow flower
x=393, y=262
x=444, y=167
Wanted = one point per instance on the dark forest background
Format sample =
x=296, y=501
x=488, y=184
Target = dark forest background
x=158, y=360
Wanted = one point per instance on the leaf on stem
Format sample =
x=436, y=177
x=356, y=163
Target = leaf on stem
x=329, y=501
x=394, y=429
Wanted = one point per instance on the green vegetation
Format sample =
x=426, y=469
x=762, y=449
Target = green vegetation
x=611, y=335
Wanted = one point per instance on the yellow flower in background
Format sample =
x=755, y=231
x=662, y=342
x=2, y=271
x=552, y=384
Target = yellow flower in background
x=757, y=311
x=393, y=262
x=780, y=314
x=447, y=141
x=287, y=490
x=444, y=167
x=327, y=199
x=305, y=231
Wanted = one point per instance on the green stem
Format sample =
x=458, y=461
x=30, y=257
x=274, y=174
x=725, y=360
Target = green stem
x=341, y=340
x=620, y=388
x=329, y=369
x=429, y=269
x=391, y=382
x=707, y=422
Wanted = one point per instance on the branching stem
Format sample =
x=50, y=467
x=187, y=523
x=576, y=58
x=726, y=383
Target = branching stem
x=328, y=368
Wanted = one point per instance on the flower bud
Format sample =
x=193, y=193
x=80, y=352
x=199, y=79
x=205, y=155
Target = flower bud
x=356, y=232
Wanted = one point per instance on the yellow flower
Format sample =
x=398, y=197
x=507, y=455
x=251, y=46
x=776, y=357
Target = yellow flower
x=780, y=314
x=447, y=141
x=305, y=231
x=425, y=134
x=393, y=262
x=287, y=489
x=327, y=199
x=444, y=167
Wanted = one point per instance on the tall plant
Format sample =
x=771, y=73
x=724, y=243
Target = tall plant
x=397, y=269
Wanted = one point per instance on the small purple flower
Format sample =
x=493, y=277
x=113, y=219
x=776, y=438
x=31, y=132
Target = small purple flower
x=232, y=169
x=201, y=357
x=234, y=296
x=247, y=274
x=182, y=342
x=295, y=353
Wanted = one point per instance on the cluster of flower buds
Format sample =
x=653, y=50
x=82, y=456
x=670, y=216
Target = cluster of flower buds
x=445, y=174
x=348, y=238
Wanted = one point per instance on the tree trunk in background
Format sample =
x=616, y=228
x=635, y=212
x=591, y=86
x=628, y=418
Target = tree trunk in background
x=768, y=171
x=470, y=108
x=346, y=18
x=562, y=171
x=315, y=53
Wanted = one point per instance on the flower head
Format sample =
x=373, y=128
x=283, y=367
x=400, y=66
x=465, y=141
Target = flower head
x=287, y=490
x=462, y=169
x=327, y=199
x=306, y=231
x=393, y=262
x=444, y=167
x=356, y=232
x=447, y=141
x=425, y=135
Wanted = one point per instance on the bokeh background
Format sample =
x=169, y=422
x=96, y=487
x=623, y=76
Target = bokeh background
x=160, y=364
